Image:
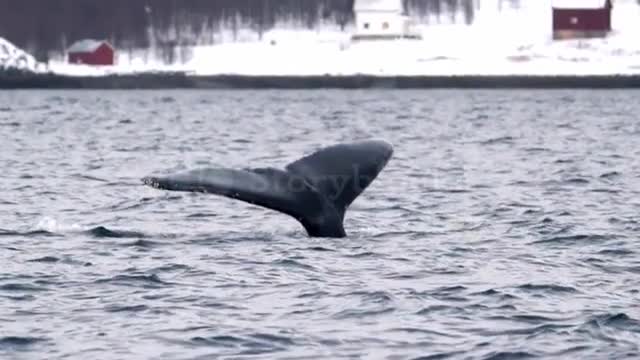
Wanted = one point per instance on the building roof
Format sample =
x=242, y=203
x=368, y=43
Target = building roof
x=579, y=4
x=378, y=5
x=87, y=45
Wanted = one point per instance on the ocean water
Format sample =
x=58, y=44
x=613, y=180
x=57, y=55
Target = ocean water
x=504, y=227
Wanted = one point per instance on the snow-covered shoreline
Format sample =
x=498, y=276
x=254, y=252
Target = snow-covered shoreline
x=509, y=42
x=401, y=57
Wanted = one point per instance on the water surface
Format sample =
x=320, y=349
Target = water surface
x=504, y=227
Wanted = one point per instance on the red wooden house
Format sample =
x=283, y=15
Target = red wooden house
x=91, y=52
x=581, y=18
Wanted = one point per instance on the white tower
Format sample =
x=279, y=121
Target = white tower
x=381, y=20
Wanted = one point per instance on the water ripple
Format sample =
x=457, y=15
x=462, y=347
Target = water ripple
x=145, y=281
x=18, y=341
x=504, y=227
x=103, y=232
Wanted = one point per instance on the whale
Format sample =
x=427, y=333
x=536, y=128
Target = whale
x=316, y=189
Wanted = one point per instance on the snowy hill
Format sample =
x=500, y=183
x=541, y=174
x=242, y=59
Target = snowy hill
x=501, y=40
x=12, y=57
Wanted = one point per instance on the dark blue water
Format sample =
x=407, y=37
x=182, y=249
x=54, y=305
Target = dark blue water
x=505, y=227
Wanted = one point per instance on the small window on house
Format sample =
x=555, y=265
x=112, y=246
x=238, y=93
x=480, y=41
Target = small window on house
x=385, y=25
x=366, y=25
x=574, y=20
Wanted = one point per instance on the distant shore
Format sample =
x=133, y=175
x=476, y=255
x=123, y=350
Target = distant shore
x=26, y=80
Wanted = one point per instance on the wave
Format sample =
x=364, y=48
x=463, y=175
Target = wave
x=26, y=233
x=439, y=356
x=103, y=232
x=48, y=226
x=126, y=308
x=63, y=260
x=290, y=263
x=361, y=314
x=509, y=355
x=498, y=140
x=10, y=287
x=45, y=259
x=19, y=341
x=145, y=281
x=571, y=239
x=254, y=344
x=619, y=321
x=547, y=288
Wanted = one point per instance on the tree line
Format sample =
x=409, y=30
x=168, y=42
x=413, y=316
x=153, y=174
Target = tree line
x=45, y=27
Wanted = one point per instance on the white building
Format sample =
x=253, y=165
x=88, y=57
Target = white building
x=382, y=19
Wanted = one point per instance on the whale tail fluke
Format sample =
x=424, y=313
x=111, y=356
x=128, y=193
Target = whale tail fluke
x=316, y=189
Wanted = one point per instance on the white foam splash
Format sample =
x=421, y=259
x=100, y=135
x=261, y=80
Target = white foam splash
x=52, y=225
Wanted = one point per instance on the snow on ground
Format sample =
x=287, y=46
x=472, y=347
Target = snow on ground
x=505, y=41
x=12, y=57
